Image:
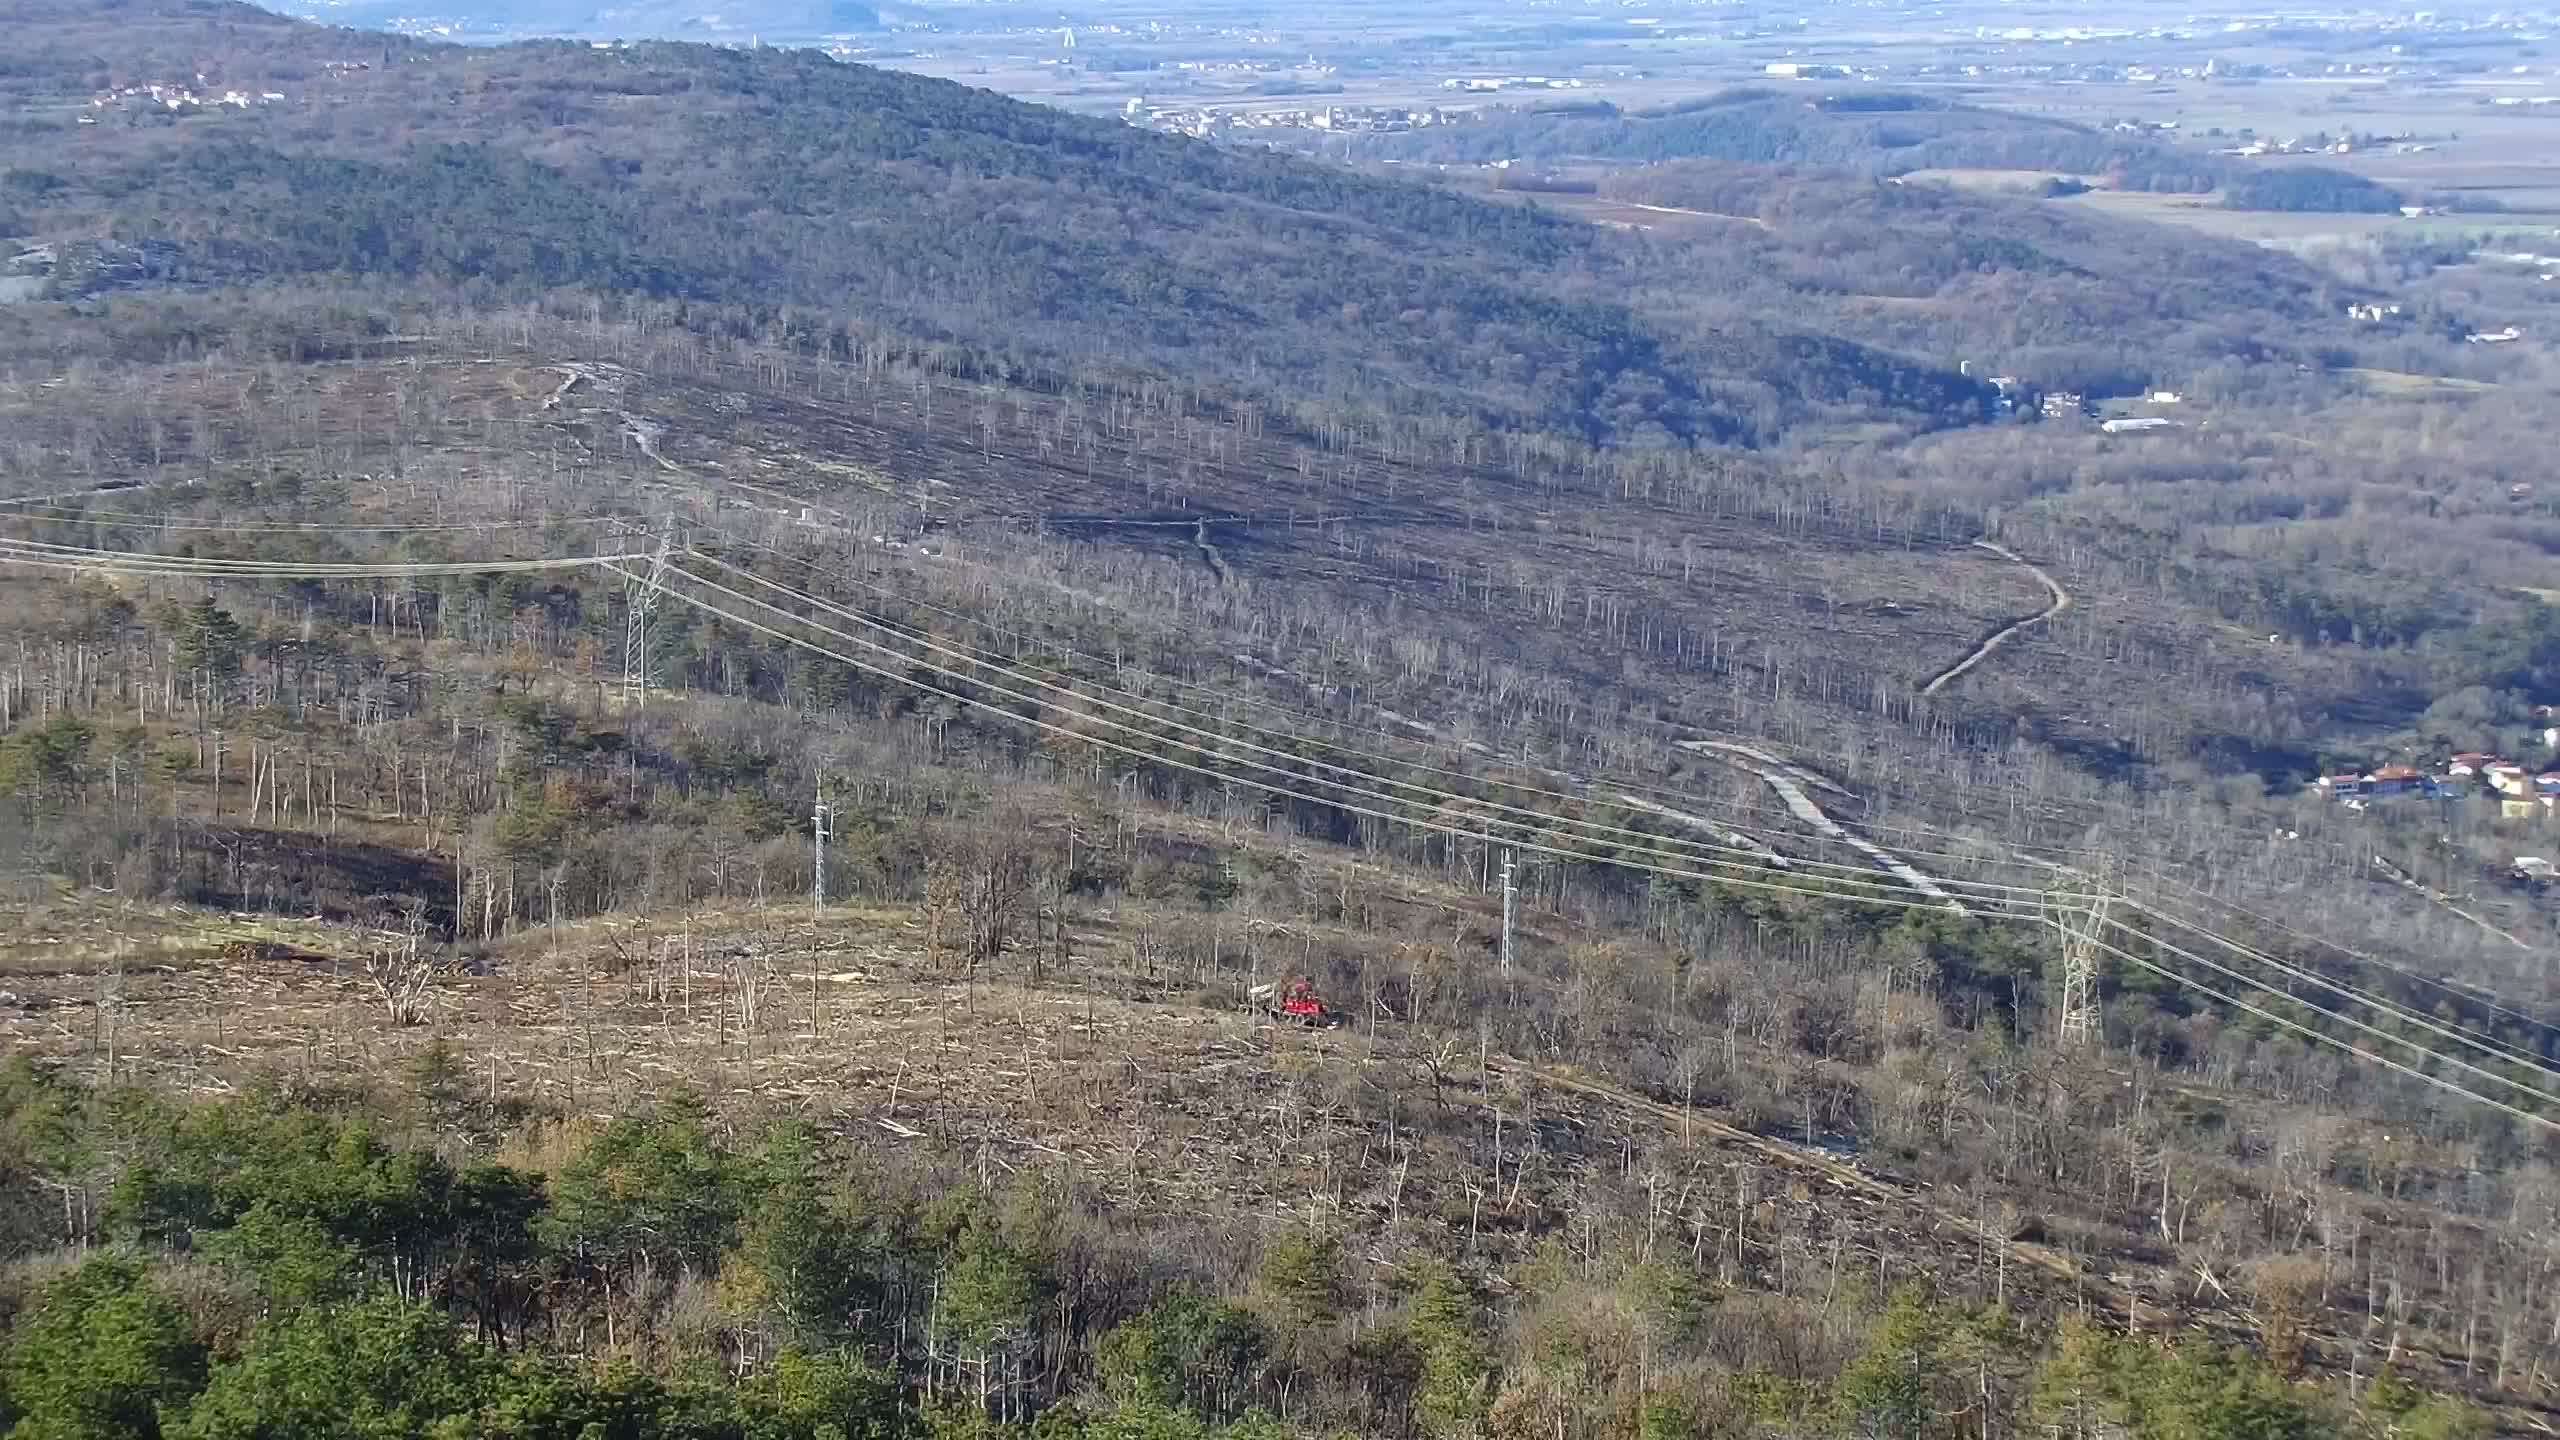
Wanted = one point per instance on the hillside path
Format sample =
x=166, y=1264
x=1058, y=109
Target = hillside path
x=1790, y=782
x=1752, y=220
x=2002, y=636
x=1733, y=838
x=2445, y=902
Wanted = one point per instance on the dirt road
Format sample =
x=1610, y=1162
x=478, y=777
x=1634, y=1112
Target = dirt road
x=2003, y=635
x=1793, y=784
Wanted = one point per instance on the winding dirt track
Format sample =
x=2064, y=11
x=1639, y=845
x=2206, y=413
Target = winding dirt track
x=1752, y=220
x=1734, y=838
x=2002, y=636
x=2404, y=878
x=1209, y=550
x=1791, y=782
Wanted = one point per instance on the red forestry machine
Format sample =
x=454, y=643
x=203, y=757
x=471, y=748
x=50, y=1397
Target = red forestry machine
x=1296, y=1003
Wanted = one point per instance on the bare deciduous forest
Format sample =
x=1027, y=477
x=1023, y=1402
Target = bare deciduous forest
x=666, y=790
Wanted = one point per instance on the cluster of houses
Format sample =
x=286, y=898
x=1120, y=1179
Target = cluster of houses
x=177, y=97
x=1203, y=122
x=2010, y=391
x=2521, y=793
x=2327, y=144
x=1488, y=84
x=2378, y=312
x=2290, y=147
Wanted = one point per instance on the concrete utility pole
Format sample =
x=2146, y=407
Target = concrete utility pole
x=822, y=822
x=1508, y=895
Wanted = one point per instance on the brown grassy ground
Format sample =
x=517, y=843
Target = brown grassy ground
x=1165, y=1093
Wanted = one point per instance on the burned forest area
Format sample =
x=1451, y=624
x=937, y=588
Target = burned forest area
x=699, y=741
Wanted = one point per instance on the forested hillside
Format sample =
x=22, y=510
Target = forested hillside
x=771, y=181
x=703, y=743
x=1875, y=135
x=2050, y=293
x=779, y=1285
x=484, y=20
x=487, y=863
x=778, y=180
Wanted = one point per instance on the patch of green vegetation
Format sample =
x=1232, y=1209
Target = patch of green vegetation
x=272, y=1267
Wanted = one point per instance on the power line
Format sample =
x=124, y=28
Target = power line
x=1483, y=824
x=1481, y=828
x=2094, y=939
x=2078, y=987
x=2487, y=1044
x=114, y=566
x=1104, y=742
x=2337, y=1015
x=92, y=558
x=2486, y=1001
x=1543, y=831
x=1686, y=849
x=1517, y=787
x=2321, y=1037
x=138, y=519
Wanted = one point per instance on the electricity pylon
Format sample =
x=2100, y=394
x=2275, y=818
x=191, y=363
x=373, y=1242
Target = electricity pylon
x=2080, y=913
x=639, y=608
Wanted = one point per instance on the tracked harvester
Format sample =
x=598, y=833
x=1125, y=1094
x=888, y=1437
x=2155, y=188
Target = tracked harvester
x=1297, y=1003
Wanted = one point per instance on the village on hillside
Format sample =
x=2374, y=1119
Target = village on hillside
x=2520, y=791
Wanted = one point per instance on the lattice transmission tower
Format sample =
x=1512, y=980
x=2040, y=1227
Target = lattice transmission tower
x=639, y=622
x=2078, y=907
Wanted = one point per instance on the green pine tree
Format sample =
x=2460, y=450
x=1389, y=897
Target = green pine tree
x=1891, y=1391
x=1457, y=1365
x=1302, y=1273
x=102, y=1355
x=383, y=1370
x=209, y=639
